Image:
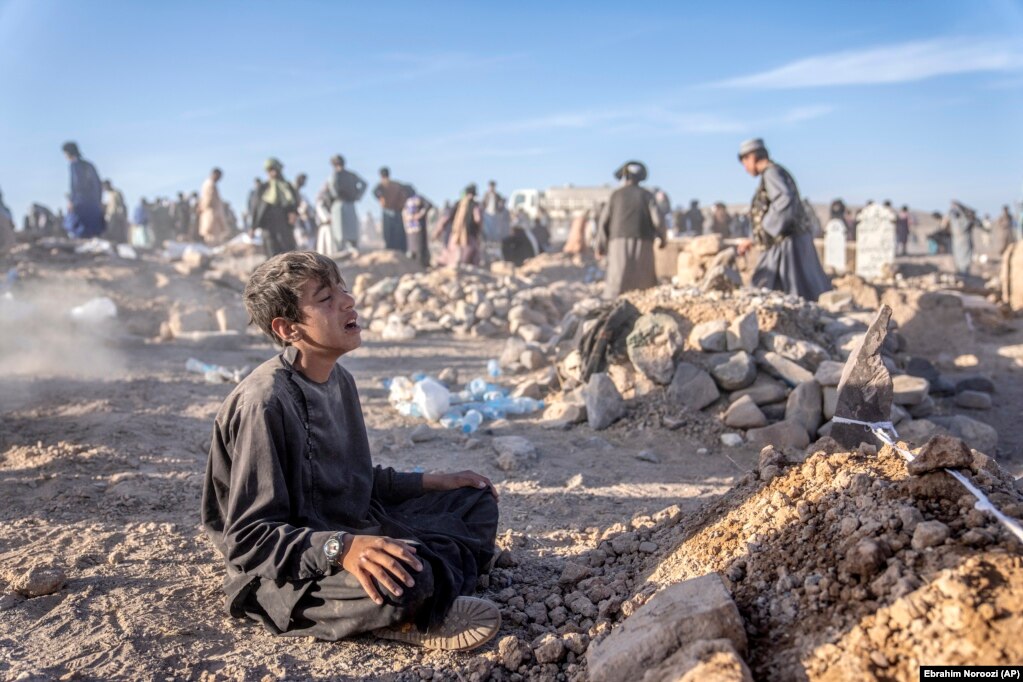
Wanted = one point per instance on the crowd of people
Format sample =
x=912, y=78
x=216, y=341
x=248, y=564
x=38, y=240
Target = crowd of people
x=476, y=228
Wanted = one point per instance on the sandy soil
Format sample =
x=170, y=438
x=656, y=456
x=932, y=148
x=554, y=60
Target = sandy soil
x=103, y=443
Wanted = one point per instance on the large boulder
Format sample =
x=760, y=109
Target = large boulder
x=653, y=345
x=692, y=387
x=677, y=616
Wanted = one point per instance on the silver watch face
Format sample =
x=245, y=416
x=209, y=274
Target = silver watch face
x=332, y=548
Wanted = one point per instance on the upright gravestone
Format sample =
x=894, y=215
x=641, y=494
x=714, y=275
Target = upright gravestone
x=875, y=241
x=834, y=246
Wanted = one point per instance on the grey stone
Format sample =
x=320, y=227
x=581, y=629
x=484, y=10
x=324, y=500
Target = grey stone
x=744, y=414
x=743, y=333
x=806, y=353
x=731, y=440
x=448, y=376
x=835, y=301
x=707, y=660
x=573, y=573
x=865, y=391
x=804, y=407
x=513, y=452
x=711, y=337
x=830, y=401
x=941, y=452
x=653, y=345
x=533, y=359
x=513, y=652
x=783, y=434
x=919, y=430
x=977, y=434
x=783, y=368
x=925, y=408
x=774, y=411
x=909, y=390
x=681, y=614
x=923, y=368
x=527, y=389
x=929, y=534
x=693, y=387
x=866, y=558
x=763, y=390
x=733, y=371
x=422, y=433
x=975, y=383
x=899, y=414
x=513, y=349
x=604, y=404
x=974, y=400
x=829, y=373
x=531, y=333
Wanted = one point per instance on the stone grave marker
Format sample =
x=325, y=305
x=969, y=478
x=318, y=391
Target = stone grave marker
x=875, y=241
x=834, y=246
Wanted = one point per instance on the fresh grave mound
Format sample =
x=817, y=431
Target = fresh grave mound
x=844, y=566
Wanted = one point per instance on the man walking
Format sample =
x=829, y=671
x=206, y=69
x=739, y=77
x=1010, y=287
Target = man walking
x=780, y=225
x=84, y=218
x=212, y=218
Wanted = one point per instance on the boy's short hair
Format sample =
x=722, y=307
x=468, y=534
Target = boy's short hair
x=275, y=287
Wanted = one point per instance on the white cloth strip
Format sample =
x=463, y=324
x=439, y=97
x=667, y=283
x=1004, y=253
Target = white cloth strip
x=882, y=429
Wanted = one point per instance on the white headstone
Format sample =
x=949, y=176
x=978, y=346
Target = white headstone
x=875, y=241
x=834, y=246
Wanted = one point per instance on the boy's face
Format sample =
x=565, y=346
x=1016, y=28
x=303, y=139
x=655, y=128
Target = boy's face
x=330, y=324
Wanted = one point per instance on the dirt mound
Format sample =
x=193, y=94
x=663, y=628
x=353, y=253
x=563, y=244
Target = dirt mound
x=845, y=567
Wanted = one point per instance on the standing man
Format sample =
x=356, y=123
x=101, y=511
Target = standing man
x=305, y=225
x=496, y=222
x=414, y=214
x=694, y=218
x=6, y=227
x=902, y=223
x=961, y=222
x=347, y=188
x=84, y=217
x=212, y=218
x=116, y=214
x=276, y=210
x=392, y=196
x=628, y=227
x=782, y=228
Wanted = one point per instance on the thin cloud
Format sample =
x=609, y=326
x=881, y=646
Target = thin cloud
x=901, y=63
x=649, y=120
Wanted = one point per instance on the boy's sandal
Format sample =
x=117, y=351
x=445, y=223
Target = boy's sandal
x=471, y=623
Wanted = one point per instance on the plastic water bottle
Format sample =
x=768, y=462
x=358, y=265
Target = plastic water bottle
x=471, y=421
x=492, y=412
x=493, y=369
x=478, y=387
x=409, y=409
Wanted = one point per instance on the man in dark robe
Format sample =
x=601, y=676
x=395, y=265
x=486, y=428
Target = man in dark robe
x=316, y=540
x=629, y=224
x=84, y=218
x=347, y=188
x=782, y=228
x=276, y=210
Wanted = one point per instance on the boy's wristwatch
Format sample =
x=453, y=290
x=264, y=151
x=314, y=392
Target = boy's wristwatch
x=334, y=546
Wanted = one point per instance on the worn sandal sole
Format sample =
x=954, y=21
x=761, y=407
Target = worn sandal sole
x=471, y=623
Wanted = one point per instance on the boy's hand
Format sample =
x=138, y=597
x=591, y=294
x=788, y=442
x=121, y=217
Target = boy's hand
x=462, y=479
x=370, y=556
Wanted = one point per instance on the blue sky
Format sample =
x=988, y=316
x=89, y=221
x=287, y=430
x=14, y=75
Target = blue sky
x=919, y=102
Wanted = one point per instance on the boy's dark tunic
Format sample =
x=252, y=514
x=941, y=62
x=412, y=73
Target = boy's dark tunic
x=289, y=466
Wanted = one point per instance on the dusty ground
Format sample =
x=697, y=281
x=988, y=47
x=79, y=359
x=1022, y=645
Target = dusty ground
x=103, y=444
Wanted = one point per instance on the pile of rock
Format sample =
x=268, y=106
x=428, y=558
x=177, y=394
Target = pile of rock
x=766, y=365
x=469, y=301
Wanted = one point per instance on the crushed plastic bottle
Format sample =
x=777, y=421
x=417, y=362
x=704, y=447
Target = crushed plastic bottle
x=409, y=409
x=471, y=421
x=519, y=405
x=493, y=369
x=215, y=374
